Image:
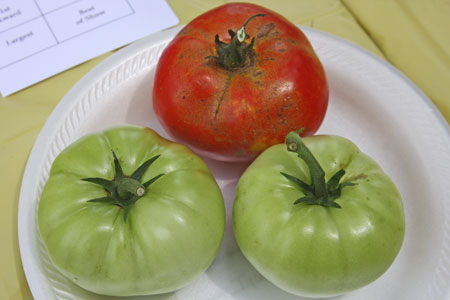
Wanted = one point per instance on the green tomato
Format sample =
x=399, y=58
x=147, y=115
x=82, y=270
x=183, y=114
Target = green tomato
x=126, y=212
x=318, y=222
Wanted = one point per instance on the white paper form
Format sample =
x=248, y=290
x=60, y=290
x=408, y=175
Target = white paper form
x=40, y=38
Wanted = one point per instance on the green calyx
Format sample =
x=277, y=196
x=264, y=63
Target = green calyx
x=319, y=192
x=233, y=55
x=124, y=191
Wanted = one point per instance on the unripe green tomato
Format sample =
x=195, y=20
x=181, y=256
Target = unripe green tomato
x=156, y=220
x=341, y=244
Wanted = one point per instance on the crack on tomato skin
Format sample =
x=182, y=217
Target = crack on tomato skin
x=225, y=90
x=250, y=64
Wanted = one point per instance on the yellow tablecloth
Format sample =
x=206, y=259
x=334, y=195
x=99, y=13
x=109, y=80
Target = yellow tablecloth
x=413, y=35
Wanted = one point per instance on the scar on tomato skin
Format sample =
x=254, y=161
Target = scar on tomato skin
x=265, y=59
x=356, y=177
x=275, y=35
x=225, y=90
x=257, y=73
x=265, y=30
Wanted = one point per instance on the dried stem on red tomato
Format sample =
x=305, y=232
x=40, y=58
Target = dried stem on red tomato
x=233, y=55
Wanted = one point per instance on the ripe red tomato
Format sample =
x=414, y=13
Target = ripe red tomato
x=230, y=91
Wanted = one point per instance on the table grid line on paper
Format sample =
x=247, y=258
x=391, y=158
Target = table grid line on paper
x=40, y=33
x=94, y=28
x=42, y=14
x=55, y=9
x=45, y=19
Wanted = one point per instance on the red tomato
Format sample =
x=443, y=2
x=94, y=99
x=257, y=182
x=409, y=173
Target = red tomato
x=232, y=110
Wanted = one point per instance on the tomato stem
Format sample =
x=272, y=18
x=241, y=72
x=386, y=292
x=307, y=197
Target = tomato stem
x=319, y=192
x=234, y=55
x=124, y=191
x=128, y=187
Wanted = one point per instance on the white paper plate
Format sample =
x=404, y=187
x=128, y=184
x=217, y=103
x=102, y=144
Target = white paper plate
x=371, y=103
